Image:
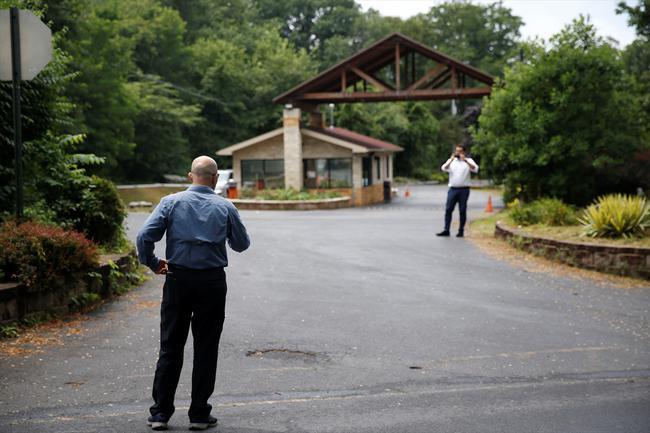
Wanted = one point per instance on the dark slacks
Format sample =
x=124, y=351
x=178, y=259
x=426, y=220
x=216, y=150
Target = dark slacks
x=195, y=298
x=460, y=196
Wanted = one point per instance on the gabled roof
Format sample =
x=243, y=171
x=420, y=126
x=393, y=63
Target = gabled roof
x=357, y=143
x=228, y=151
x=333, y=84
x=369, y=143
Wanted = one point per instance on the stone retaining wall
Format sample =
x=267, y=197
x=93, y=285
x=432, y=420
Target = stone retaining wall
x=18, y=301
x=628, y=261
x=329, y=203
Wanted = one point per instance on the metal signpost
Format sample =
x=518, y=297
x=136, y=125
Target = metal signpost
x=26, y=45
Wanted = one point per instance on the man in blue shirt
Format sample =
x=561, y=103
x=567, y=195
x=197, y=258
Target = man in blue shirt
x=198, y=223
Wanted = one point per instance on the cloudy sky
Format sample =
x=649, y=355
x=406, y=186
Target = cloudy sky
x=541, y=17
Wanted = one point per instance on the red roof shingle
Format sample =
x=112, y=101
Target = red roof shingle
x=360, y=139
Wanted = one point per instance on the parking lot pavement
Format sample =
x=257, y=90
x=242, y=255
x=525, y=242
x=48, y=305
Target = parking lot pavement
x=361, y=320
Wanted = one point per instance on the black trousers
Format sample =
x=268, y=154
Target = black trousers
x=195, y=298
x=456, y=195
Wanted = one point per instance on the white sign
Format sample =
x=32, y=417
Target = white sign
x=35, y=45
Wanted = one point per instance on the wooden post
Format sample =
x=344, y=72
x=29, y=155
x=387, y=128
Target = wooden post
x=453, y=78
x=397, y=69
x=344, y=84
x=413, y=67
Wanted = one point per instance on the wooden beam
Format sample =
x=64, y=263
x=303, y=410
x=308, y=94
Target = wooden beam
x=344, y=84
x=427, y=76
x=398, y=85
x=428, y=94
x=440, y=79
x=382, y=86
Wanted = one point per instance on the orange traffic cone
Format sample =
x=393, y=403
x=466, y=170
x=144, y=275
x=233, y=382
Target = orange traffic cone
x=407, y=193
x=488, y=208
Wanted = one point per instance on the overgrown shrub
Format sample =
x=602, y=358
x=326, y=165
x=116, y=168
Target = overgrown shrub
x=555, y=212
x=525, y=215
x=41, y=256
x=90, y=205
x=548, y=211
x=617, y=215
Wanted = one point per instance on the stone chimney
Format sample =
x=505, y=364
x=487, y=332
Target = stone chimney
x=292, y=148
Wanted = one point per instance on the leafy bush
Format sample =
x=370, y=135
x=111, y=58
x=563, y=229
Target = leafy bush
x=88, y=204
x=525, y=215
x=40, y=256
x=548, y=211
x=617, y=215
x=565, y=123
x=288, y=194
x=556, y=213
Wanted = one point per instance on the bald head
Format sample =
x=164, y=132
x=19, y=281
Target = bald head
x=204, y=171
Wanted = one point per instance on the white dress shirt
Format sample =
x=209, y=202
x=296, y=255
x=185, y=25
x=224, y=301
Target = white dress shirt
x=459, y=171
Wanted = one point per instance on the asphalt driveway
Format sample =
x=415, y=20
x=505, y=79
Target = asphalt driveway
x=361, y=320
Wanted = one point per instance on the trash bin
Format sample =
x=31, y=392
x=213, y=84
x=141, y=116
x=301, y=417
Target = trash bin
x=387, y=191
x=231, y=189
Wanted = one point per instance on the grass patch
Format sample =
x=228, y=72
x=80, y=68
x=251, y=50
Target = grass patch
x=572, y=234
x=150, y=194
x=484, y=227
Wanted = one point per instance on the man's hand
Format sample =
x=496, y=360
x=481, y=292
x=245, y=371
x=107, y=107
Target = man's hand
x=162, y=267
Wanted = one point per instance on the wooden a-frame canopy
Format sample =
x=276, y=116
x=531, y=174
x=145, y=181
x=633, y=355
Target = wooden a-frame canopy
x=349, y=80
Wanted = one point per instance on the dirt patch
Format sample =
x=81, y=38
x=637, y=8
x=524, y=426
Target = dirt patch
x=36, y=339
x=146, y=305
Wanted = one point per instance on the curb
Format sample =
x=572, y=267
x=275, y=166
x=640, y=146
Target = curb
x=626, y=261
x=327, y=203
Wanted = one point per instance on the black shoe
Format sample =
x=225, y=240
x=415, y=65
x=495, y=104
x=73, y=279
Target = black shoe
x=203, y=423
x=460, y=234
x=158, y=421
x=443, y=233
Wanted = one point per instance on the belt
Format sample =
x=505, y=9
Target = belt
x=459, y=187
x=179, y=268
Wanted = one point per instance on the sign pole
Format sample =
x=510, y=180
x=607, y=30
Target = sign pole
x=18, y=136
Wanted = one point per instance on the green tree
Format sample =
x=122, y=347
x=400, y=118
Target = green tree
x=161, y=130
x=316, y=26
x=564, y=125
x=409, y=125
x=104, y=108
x=237, y=82
x=57, y=189
x=637, y=62
x=639, y=16
x=485, y=36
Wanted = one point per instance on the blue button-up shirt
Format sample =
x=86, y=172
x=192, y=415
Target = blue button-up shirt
x=198, y=223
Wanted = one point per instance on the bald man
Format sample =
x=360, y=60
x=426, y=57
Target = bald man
x=198, y=223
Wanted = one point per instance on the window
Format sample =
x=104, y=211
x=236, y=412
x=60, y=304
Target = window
x=378, y=166
x=262, y=173
x=328, y=173
x=366, y=166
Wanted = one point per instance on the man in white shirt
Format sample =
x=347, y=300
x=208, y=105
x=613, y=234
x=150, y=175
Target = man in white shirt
x=459, y=168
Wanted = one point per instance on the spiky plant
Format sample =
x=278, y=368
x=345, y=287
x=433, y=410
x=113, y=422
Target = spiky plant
x=616, y=215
